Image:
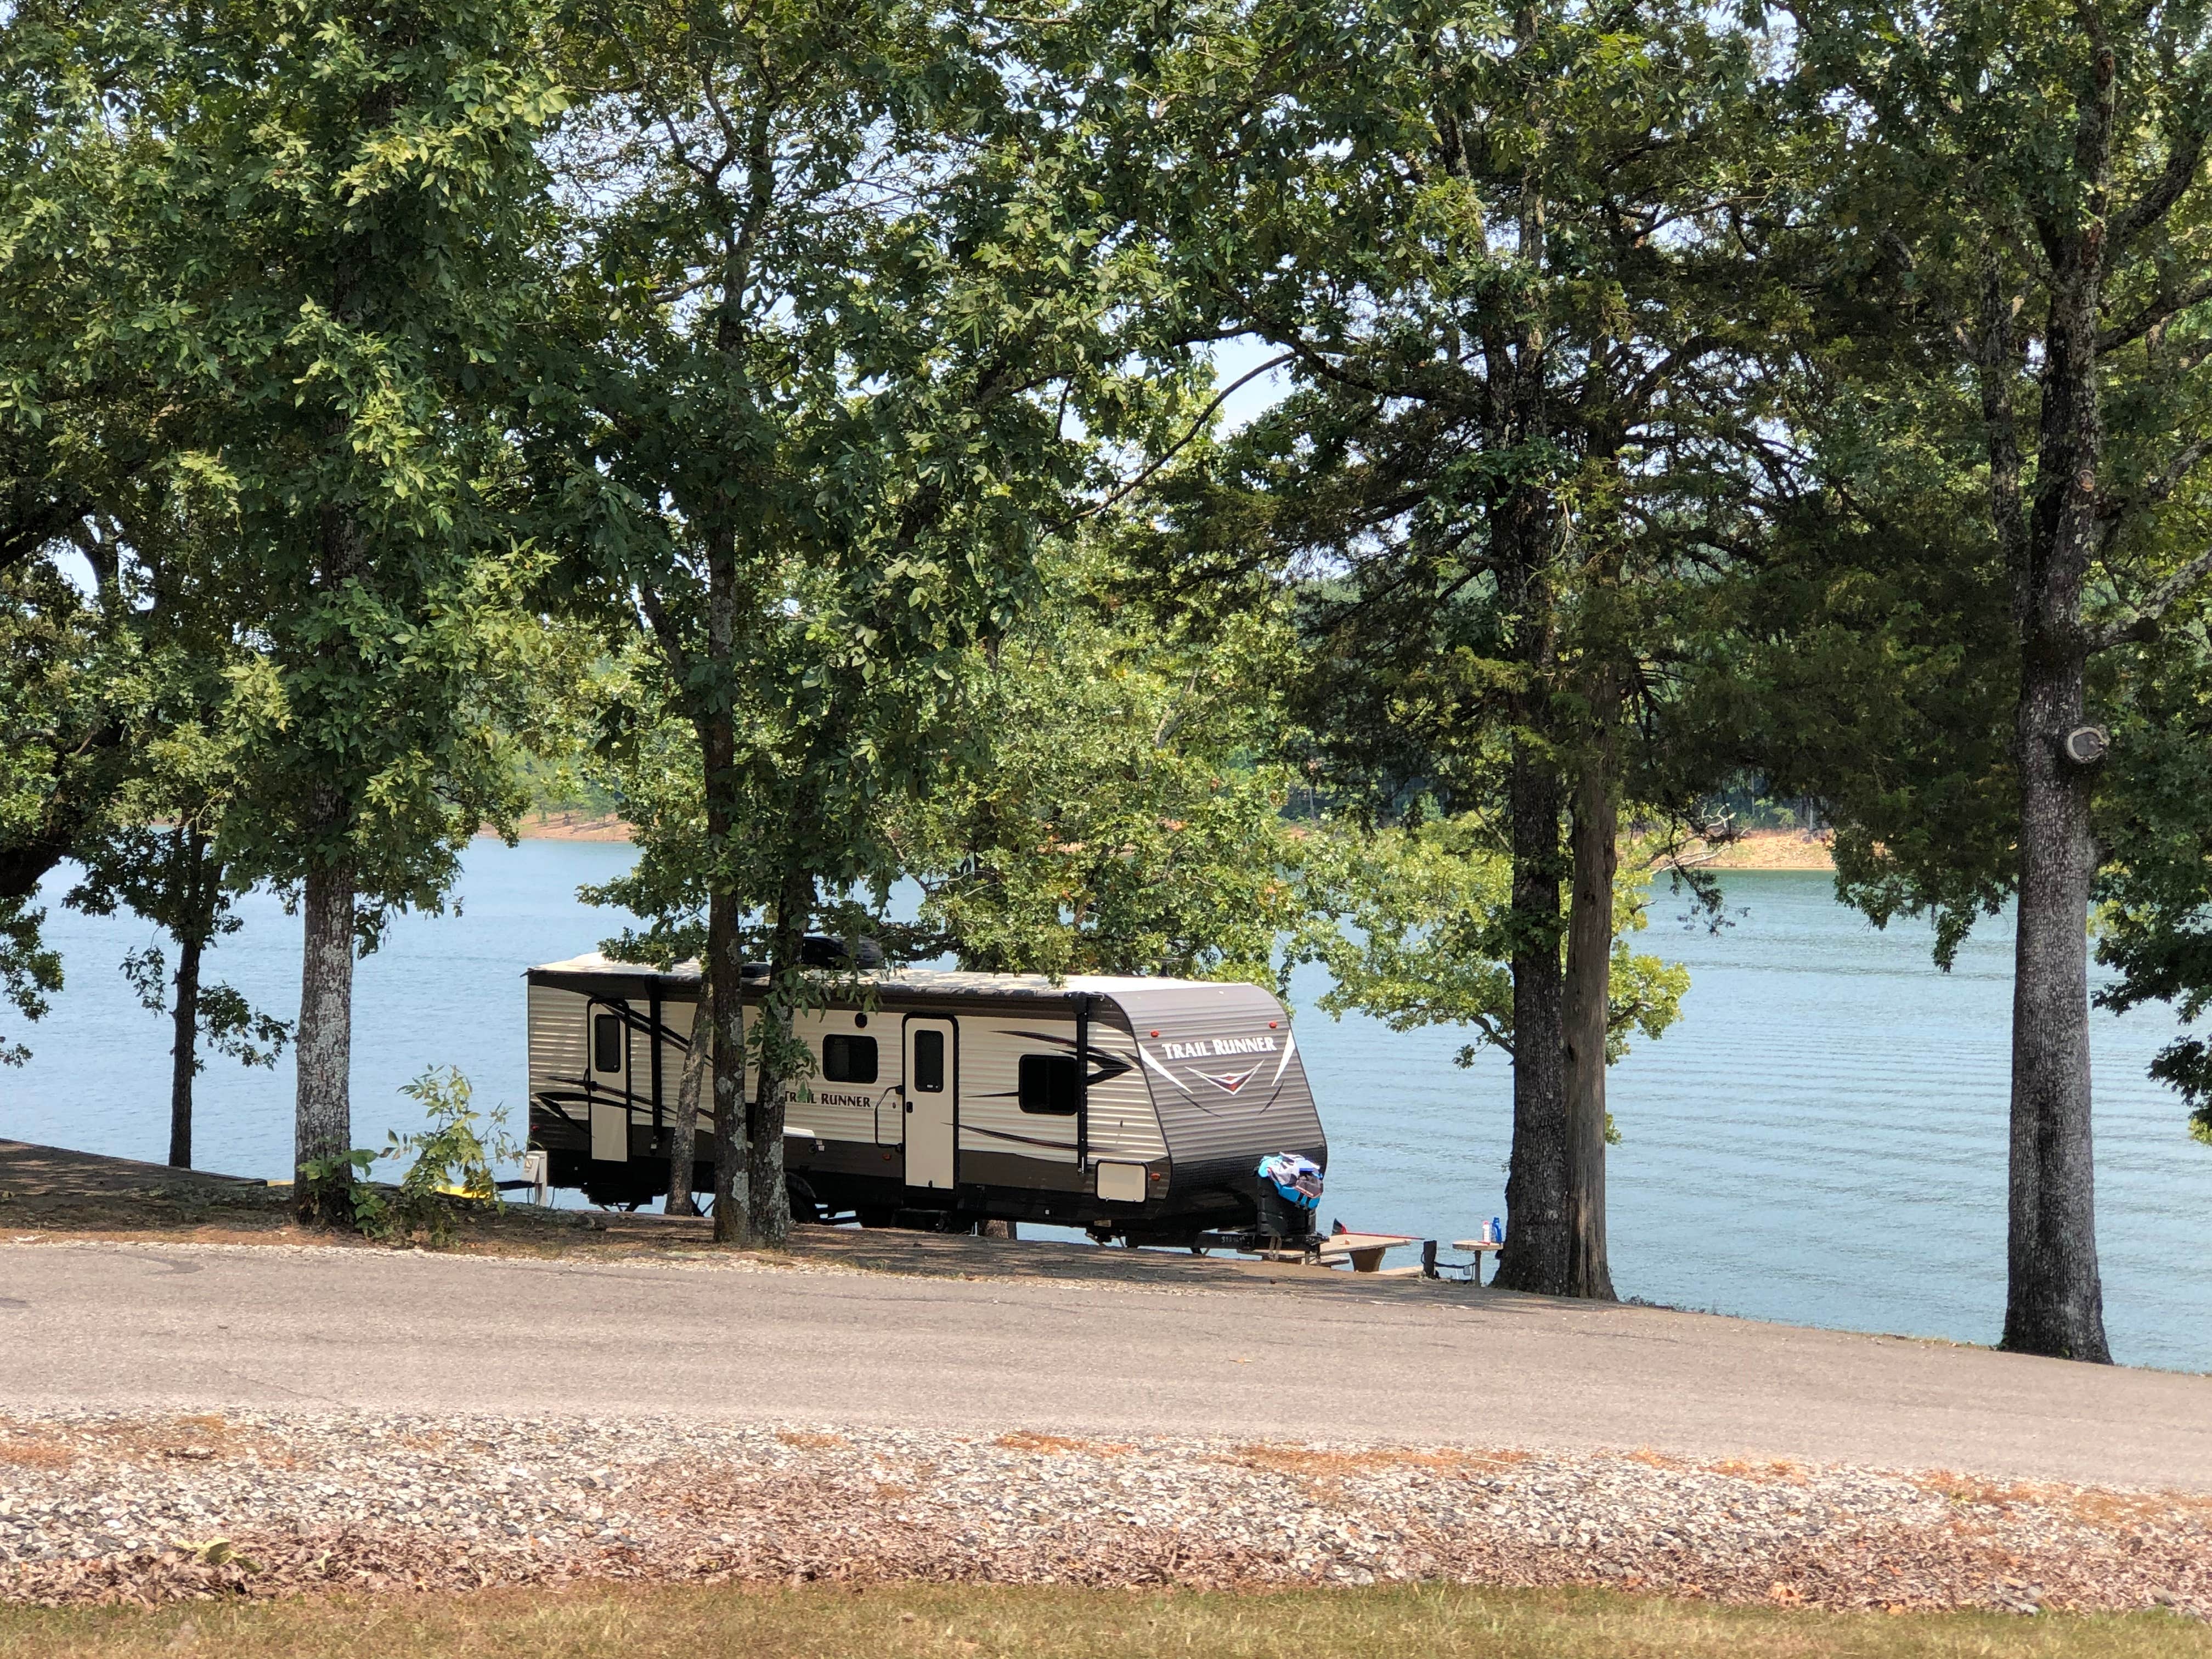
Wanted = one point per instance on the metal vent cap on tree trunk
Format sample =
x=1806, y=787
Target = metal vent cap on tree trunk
x=2088, y=744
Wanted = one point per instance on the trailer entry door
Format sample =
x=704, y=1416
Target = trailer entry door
x=933, y=1103
x=607, y=1041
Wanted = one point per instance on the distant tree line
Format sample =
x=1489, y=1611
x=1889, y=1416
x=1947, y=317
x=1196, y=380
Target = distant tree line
x=809, y=424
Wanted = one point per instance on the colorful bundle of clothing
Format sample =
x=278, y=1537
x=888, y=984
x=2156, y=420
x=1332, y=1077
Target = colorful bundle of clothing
x=1298, y=1179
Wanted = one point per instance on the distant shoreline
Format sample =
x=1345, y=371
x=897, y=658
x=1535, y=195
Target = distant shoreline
x=1755, y=850
x=570, y=826
x=1764, y=849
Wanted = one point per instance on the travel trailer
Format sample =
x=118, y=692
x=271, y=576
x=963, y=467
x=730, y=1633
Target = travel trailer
x=1136, y=1108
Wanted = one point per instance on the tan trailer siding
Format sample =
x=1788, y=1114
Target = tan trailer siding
x=557, y=1056
x=1123, y=1124
x=832, y=1110
x=991, y=1116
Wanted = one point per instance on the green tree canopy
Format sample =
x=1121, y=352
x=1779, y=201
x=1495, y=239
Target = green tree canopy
x=1129, y=815
x=834, y=308
x=1509, y=263
x=1984, y=504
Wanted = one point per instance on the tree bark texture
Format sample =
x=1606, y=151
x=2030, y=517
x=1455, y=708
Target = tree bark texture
x=323, y=1052
x=771, y=1198
x=1537, y=1236
x=725, y=954
x=184, y=1052
x=2054, y=1295
x=683, y=1133
x=716, y=722
x=323, y=1049
x=1595, y=837
x=1523, y=535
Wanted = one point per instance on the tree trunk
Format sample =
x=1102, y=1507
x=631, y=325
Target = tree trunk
x=771, y=1198
x=1523, y=538
x=1588, y=1004
x=323, y=1052
x=2054, y=1296
x=724, y=968
x=684, y=1134
x=724, y=990
x=1538, y=1234
x=184, y=1054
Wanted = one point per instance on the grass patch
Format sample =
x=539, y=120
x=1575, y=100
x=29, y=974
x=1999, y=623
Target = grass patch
x=996, y=1622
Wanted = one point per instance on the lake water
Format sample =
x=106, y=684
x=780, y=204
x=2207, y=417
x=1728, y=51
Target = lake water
x=1819, y=1140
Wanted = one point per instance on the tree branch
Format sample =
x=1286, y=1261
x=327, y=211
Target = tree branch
x=2156, y=203
x=2152, y=315
x=2161, y=487
x=664, y=630
x=1204, y=419
x=2162, y=599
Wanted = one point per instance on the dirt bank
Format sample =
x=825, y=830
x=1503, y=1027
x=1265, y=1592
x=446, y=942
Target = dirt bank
x=1764, y=849
x=571, y=826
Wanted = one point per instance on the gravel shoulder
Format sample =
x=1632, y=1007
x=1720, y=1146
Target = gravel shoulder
x=98, y=1506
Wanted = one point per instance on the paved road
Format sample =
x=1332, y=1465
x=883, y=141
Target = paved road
x=156, y=1326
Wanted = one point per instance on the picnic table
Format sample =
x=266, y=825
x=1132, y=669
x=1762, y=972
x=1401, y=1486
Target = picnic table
x=1476, y=1248
x=1363, y=1252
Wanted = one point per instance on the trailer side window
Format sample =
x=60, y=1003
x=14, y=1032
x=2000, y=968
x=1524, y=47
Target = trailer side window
x=606, y=1042
x=848, y=1059
x=1051, y=1084
x=929, y=1062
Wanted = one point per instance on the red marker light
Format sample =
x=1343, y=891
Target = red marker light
x=1156, y=1034
x=1271, y=1024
